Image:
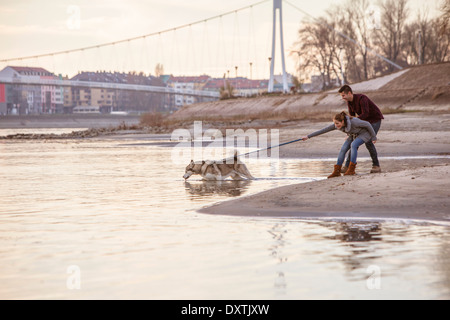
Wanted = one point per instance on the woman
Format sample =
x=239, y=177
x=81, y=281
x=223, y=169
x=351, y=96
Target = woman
x=359, y=132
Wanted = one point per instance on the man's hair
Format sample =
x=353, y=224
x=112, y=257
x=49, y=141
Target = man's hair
x=345, y=89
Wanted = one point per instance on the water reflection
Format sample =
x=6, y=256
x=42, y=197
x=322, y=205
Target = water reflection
x=355, y=249
x=358, y=239
x=229, y=188
x=94, y=204
x=358, y=232
x=278, y=232
x=443, y=261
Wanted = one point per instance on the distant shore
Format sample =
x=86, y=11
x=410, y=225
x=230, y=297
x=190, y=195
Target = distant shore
x=76, y=121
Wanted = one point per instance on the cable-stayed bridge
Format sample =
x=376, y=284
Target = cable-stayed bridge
x=235, y=54
x=106, y=86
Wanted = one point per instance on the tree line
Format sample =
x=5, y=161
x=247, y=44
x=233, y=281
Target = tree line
x=360, y=40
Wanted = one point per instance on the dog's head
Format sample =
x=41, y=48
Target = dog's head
x=193, y=168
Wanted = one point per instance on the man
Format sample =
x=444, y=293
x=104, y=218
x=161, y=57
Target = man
x=360, y=105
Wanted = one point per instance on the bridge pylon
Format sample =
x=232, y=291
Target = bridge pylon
x=277, y=5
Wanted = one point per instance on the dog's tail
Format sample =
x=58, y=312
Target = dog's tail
x=235, y=156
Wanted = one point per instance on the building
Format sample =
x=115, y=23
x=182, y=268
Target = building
x=29, y=99
x=319, y=83
x=186, y=85
x=113, y=100
x=3, y=108
x=241, y=87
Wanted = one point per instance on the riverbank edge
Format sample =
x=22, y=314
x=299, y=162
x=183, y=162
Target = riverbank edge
x=415, y=194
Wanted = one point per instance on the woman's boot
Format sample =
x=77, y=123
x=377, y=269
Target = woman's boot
x=336, y=172
x=351, y=169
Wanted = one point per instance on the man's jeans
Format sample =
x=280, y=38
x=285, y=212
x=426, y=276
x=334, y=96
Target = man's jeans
x=370, y=147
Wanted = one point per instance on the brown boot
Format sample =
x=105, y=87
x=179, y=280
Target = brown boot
x=336, y=172
x=351, y=169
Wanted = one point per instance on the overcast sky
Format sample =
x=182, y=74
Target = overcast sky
x=35, y=27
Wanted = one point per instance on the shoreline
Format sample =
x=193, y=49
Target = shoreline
x=414, y=183
x=416, y=187
x=403, y=194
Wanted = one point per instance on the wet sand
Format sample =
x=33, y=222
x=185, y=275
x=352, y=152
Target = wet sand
x=406, y=189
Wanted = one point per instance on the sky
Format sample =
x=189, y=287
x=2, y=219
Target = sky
x=215, y=47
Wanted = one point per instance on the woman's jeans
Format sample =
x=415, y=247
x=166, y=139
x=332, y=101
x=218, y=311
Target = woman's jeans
x=350, y=144
x=370, y=147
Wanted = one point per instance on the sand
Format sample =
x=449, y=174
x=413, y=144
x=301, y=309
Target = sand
x=418, y=194
x=417, y=189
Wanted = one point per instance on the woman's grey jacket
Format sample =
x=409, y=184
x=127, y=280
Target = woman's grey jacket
x=355, y=128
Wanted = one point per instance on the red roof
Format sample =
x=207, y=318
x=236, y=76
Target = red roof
x=34, y=70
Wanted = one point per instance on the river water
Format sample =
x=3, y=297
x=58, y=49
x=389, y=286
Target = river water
x=114, y=219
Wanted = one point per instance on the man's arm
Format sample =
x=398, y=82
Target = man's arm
x=350, y=110
x=364, y=103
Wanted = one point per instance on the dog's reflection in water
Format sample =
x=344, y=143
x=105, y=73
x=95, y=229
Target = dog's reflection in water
x=230, y=188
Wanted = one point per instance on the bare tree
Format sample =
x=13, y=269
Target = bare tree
x=358, y=40
x=425, y=43
x=357, y=11
x=317, y=46
x=159, y=70
x=444, y=19
x=439, y=47
x=390, y=36
x=418, y=35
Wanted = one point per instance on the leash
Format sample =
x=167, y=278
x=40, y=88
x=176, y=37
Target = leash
x=271, y=147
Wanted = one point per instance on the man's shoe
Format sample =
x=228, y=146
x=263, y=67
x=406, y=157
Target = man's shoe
x=375, y=169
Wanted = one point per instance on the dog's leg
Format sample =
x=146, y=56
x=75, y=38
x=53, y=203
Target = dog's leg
x=217, y=171
x=236, y=176
x=204, y=167
x=246, y=173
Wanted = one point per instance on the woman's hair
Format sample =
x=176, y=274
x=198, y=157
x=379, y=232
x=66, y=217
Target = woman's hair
x=342, y=117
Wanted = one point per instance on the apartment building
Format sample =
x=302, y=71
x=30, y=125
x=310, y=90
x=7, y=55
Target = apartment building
x=22, y=98
x=241, y=87
x=186, y=85
x=109, y=100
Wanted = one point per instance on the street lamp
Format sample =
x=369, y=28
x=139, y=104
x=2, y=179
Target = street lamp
x=419, y=33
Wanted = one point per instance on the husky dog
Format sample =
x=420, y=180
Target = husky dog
x=211, y=170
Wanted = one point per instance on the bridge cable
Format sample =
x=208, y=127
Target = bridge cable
x=133, y=38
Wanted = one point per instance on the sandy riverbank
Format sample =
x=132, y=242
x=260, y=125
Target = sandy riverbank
x=406, y=189
x=419, y=194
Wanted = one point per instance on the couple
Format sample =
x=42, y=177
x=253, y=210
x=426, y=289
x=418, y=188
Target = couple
x=361, y=129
